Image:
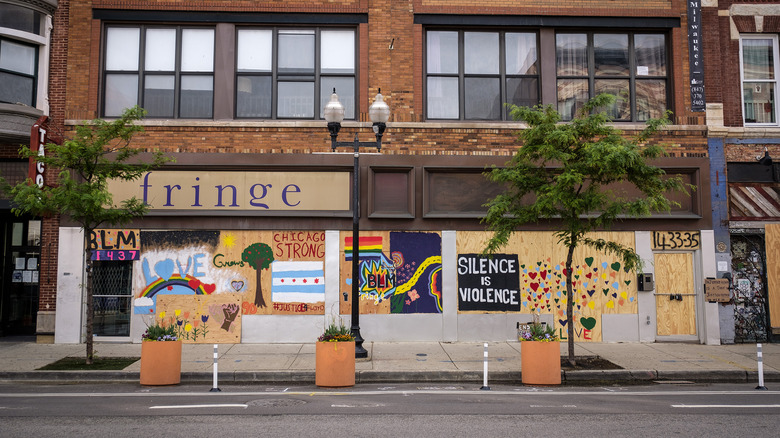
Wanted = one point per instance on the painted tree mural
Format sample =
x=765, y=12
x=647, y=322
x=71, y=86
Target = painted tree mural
x=259, y=256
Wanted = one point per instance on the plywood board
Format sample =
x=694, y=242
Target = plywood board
x=674, y=275
x=258, y=265
x=202, y=319
x=773, y=272
x=600, y=283
x=400, y=272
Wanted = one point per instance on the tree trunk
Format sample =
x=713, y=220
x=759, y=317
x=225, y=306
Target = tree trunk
x=89, y=305
x=570, y=303
x=259, y=301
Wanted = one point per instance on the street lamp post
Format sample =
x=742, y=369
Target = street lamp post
x=379, y=113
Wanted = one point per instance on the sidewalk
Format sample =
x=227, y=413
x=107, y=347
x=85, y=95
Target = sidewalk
x=408, y=362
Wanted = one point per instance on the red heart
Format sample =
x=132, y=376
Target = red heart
x=539, y=297
x=547, y=289
x=209, y=288
x=532, y=275
x=536, y=304
x=534, y=286
x=542, y=307
x=589, y=275
x=194, y=284
x=583, y=297
x=544, y=275
x=170, y=288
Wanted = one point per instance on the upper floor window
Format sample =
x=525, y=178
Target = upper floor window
x=291, y=73
x=18, y=72
x=470, y=75
x=21, y=18
x=759, y=66
x=631, y=66
x=169, y=71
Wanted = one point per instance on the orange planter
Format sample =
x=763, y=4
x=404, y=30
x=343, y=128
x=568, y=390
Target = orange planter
x=540, y=362
x=335, y=364
x=160, y=362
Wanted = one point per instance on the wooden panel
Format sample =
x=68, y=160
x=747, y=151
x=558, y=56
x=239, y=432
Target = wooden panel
x=674, y=275
x=203, y=319
x=773, y=272
x=601, y=285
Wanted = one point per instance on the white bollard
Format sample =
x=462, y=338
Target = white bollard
x=215, y=388
x=485, y=386
x=760, y=369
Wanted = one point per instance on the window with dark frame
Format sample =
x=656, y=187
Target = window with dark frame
x=290, y=73
x=630, y=65
x=18, y=72
x=471, y=74
x=169, y=71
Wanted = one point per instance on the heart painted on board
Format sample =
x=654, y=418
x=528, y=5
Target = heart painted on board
x=209, y=288
x=589, y=260
x=237, y=285
x=532, y=275
x=591, y=292
x=588, y=323
x=194, y=284
x=164, y=269
x=534, y=286
x=615, y=266
x=562, y=322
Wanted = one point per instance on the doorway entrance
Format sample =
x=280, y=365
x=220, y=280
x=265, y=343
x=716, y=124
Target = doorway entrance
x=20, y=241
x=675, y=295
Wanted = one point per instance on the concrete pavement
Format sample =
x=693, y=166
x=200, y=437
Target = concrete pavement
x=459, y=362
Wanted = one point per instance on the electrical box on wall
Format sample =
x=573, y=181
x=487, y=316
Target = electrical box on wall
x=645, y=283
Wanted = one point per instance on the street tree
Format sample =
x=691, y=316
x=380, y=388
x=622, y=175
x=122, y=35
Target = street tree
x=576, y=175
x=98, y=152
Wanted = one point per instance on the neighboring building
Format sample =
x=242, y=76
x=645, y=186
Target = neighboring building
x=744, y=135
x=25, y=44
x=256, y=203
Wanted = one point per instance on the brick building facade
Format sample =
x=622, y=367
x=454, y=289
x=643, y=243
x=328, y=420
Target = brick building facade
x=740, y=50
x=235, y=91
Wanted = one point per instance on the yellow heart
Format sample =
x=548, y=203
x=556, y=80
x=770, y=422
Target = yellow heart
x=610, y=304
x=624, y=295
x=591, y=305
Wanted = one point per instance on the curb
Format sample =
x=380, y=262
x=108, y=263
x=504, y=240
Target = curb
x=575, y=378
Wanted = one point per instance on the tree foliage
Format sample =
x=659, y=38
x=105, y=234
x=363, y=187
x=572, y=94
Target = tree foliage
x=575, y=174
x=98, y=152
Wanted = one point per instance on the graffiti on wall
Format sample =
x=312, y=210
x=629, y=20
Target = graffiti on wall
x=272, y=272
x=399, y=272
x=600, y=285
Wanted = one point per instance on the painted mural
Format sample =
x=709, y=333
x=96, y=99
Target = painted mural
x=399, y=272
x=601, y=285
x=202, y=319
x=272, y=272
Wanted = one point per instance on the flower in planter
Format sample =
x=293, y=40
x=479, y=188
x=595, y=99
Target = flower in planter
x=336, y=331
x=160, y=332
x=537, y=331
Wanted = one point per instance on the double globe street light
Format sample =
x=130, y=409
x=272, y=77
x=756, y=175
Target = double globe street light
x=379, y=112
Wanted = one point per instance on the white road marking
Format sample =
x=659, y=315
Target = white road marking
x=726, y=406
x=226, y=405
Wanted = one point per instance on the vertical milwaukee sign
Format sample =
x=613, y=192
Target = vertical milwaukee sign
x=695, y=60
x=38, y=139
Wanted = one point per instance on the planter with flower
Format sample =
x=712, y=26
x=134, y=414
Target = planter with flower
x=335, y=356
x=540, y=354
x=161, y=353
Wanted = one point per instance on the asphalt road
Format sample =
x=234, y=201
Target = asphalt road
x=387, y=410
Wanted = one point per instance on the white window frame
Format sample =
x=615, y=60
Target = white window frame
x=774, y=81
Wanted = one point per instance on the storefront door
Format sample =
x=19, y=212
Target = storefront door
x=675, y=297
x=20, y=240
